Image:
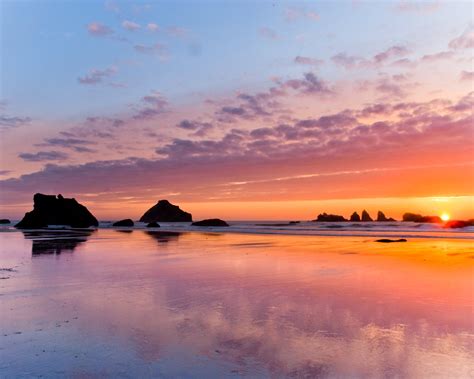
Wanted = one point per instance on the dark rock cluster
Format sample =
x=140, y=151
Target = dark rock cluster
x=52, y=210
x=164, y=211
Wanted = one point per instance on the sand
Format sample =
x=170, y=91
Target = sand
x=152, y=304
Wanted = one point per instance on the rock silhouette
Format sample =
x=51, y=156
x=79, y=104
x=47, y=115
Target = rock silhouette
x=125, y=222
x=386, y=240
x=413, y=217
x=4, y=221
x=52, y=210
x=164, y=211
x=365, y=216
x=324, y=217
x=455, y=224
x=355, y=217
x=153, y=224
x=210, y=222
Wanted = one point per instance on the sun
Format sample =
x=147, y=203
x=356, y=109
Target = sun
x=445, y=217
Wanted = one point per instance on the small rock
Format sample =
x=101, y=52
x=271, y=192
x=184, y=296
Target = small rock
x=126, y=222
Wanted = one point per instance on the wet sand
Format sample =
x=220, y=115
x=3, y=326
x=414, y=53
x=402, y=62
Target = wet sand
x=153, y=304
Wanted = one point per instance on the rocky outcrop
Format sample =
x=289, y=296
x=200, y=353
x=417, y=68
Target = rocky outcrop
x=324, y=217
x=365, y=216
x=153, y=224
x=413, y=217
x=210, y=222
x=52, y=210
x=456, y=224
x=355, y=217
x=4, y=221
x=386, y=240
x=164, y=211
x=125, y=222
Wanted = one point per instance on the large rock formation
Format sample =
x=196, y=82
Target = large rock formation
x=355, y=217
x=455, y=224
x=210, y=222
x=366, y=216
x=324, y=217
x=413, y=217
x=125, y=222
x=164, y=211
x=52, y=210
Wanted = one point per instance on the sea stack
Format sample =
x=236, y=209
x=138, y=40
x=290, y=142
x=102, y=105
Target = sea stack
x=381, y=216
x=211, y=222
x=164, y=211
x=413, y=217
x=324, y=217
x=355, y=217
x=366, y=216
x=125, y=222
x=52, y=210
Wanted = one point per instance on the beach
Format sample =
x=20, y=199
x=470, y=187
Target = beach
x=170, y=303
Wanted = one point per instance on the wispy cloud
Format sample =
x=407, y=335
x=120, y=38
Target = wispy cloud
x=43, y=156
x=467, y=76
x=268, y=33
x=96, y=76
x=464, y=41
x=130, y=26
x=152, y=27
x=98, y=29
x=308, y=61
x=293, y=14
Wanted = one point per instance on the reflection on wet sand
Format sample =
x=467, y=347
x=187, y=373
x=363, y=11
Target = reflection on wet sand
x=243, y=305
x=56, y=242
x=164, y=237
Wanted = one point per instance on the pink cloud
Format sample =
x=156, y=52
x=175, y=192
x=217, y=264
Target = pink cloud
x=464, y=41
x=99, y=30
x=130, y=26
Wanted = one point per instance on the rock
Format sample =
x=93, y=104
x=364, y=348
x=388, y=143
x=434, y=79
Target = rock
x=413, y=217
x=4, y=221
x=52, y=210
x=324, y=217
x=365, y=216
x=164, y=211
x=210, y=222
x=386, y=240
x=294, y=222
x=153, y=224
x=455, y=224
x=125, y=222
x=381, y=217
x=355, y=217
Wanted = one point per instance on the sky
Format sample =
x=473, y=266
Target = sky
x=238, y=109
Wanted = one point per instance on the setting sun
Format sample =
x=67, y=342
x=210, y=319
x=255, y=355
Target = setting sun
x=445, y=217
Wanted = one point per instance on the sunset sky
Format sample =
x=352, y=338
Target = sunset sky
x=238, y=110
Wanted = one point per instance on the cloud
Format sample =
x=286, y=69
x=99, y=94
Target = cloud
x=10, y=122
x=176, y=31
x=199, y=128
x=467, y=76
x=294, y=14
x=151, y=106
x=152, y=27
x=310, y=84
x=112, y=6
x=96, y=76
x=99, y=30
x=308, y=61
x=464, y=41
x=75, y=144
x=437, y=56
x=355, y=62
x=130, y=26
x=156, y=49
x=303, y=153
x=5, y=172
x=268, y=33
x=417, y=6
x=43, y=156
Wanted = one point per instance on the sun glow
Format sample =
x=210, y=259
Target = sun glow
x=445, y=217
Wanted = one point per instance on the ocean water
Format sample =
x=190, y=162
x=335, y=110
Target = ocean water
x=305, y=301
